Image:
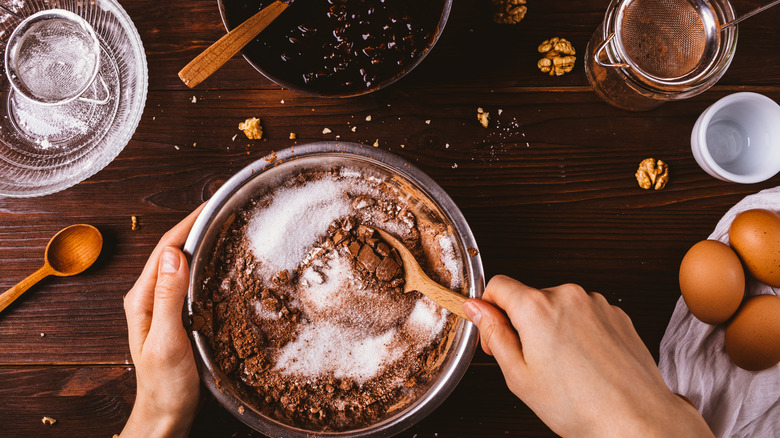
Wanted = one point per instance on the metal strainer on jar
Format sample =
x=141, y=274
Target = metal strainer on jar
x=661, y=49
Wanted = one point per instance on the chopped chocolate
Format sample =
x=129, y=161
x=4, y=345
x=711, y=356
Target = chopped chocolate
x=387, y=269
x=364, y=232
x=368, y=259
x=382, y=249
x=341, y=46
x=339, y=237
x=354, y=248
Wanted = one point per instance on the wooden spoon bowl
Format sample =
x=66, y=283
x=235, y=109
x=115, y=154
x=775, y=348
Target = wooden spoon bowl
x=71, y=251
x=416, y=279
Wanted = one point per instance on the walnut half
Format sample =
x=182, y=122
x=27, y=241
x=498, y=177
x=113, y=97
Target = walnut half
x=558, y=56
x=509, y=11
x=652, y=174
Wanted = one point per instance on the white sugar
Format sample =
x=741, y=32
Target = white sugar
x=328, y=285
x=264, y=313
x=396, y=228
x=283, y=233
x=451, y=262
x=427, y=319
x=328, y=349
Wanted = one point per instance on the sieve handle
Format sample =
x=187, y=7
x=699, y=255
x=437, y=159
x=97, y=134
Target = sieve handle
x=107, y=93
x=750, y=14
x=600, y=48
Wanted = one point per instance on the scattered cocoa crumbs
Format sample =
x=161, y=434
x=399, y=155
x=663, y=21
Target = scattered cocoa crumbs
x=271, y=157
x=134, y=223
x=473, y=251
x=198, y=322
x=241, y=410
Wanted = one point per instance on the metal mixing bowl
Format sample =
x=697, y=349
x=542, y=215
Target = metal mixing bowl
x=425, y=198
x=262, y=57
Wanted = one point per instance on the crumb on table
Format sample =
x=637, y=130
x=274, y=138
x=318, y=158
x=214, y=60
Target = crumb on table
x=251, y=128
x=483, y=117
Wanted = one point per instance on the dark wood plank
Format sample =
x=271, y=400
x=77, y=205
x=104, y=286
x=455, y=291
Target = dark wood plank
x=96, y=401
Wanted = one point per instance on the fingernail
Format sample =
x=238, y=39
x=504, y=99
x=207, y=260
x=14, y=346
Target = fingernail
x=472, y=312
x=169, y=261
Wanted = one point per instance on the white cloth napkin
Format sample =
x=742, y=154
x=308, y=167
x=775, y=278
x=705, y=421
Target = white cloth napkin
x=693, y=360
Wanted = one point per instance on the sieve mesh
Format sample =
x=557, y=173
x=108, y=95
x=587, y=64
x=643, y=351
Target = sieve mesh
x=665, y=38
x=55, y=60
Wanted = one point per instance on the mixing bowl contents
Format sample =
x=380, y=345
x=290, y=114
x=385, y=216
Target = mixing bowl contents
x=341, y=46
x=304, y=306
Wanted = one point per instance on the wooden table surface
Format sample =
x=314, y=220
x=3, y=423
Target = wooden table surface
x=548, y=190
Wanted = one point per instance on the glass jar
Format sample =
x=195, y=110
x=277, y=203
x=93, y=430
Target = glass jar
x=622, y=81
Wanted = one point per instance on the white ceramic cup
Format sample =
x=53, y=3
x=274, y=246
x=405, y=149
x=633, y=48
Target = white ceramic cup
x=737, y=139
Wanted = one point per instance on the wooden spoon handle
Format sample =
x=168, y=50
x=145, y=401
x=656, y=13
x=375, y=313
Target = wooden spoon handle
x=447, y=298
x=15, y=292
x=214, y=57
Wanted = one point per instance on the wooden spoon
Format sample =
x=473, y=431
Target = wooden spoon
x=416, y=279
x=69, y=252
x=216, y=55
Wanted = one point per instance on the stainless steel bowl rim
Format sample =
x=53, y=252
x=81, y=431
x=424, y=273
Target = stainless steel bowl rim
x=449, y=377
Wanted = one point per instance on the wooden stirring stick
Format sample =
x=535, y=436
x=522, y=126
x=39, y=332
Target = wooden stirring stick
x=416, y=279
x=216, y=55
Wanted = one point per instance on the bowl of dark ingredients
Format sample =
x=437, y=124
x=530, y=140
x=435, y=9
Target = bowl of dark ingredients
x=340, y=48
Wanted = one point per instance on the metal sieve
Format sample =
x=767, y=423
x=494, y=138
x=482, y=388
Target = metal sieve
x=53, y=57
x=646, y=52
x=669, y=42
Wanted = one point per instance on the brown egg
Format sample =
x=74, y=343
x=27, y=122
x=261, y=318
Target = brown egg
x=712, y=281
x=753, y=336
x=755, y=235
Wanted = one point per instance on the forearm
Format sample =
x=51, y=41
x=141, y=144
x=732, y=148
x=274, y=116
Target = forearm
x=664, y=416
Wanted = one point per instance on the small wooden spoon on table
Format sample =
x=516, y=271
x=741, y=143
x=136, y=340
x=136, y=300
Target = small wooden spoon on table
x=416, y=279
x=216, y=55
x=71, y=251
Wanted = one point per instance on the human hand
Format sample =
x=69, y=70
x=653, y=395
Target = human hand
x=168, y=385
x=578, y=363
